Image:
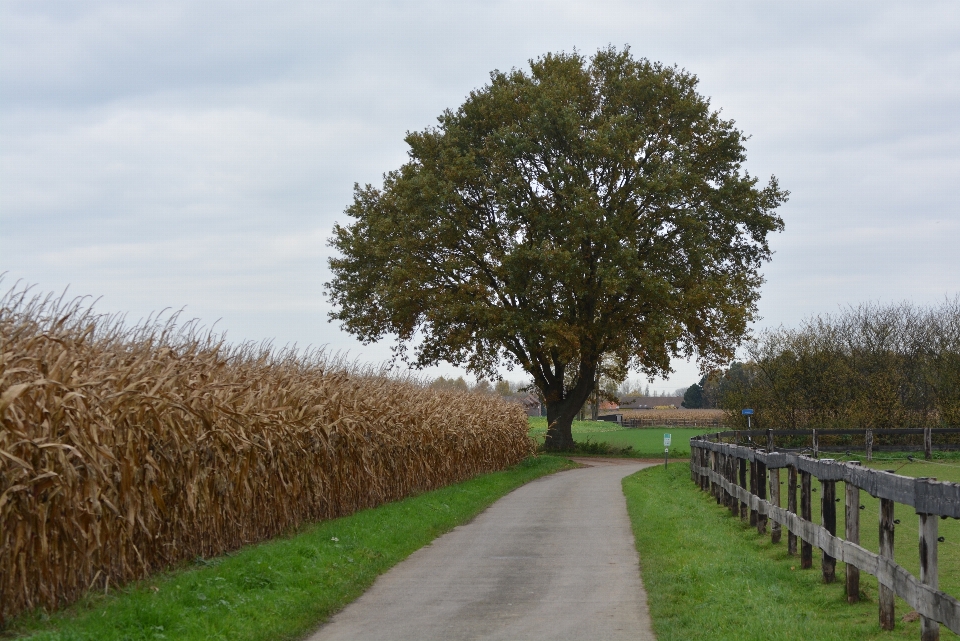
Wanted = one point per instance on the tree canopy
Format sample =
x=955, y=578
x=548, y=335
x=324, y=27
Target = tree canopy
x=693, y=397
x=581, y=210
x=870, y=366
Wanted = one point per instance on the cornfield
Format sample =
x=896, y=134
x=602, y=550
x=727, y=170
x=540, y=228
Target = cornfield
x=705, y=416
x=125, y=450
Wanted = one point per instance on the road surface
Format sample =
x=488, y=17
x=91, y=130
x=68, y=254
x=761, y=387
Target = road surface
x=554, y=559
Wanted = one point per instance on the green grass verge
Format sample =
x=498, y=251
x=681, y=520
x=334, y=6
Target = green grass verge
x=284, y=588
x=645, y=442
x=709, y=576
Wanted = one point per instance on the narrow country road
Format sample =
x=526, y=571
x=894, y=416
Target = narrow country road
x=555, y=559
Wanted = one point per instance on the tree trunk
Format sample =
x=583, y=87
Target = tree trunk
x=563, y=406
x=595, y=409
x=560, y=417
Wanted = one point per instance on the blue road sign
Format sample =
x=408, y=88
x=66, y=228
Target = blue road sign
x=747, y=412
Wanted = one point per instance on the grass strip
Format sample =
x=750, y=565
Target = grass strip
x=708, y=576
x=645, y=442
x=284, y=588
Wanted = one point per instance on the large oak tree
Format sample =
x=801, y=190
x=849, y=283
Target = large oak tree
x=580, y=210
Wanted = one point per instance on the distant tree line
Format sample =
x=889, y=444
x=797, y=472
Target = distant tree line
x=872, y=366
x=713, y=387
x=482, y=386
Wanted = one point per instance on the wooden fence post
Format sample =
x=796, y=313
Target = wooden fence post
x=775, y=530
x=727, y=496
x=852, y=533
x=734, y=504
x=725, y=474
x=806, y=513
x=816, y=445
x=869, y=439
x=706, y=466
x=718, y=468
x=929, y=572
x=743, y=483
x=828, y=517
x=708, y=484
x=769, y=440
x=696, y=464
x=717, y=488
x=762, y=494
x=927, y=443
x=714, y=486
x=791, y=506
x=699, y=463
x=722, y=471
x=702, y=463
x=753, y=489
x=887, y=596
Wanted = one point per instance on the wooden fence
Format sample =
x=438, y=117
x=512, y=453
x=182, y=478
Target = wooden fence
x=924, y=440
x=721, y=468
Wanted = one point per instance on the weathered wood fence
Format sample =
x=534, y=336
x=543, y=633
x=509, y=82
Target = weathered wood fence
x=926, y=440
x=721, y=468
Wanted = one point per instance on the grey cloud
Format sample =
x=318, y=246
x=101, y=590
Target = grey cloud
x=184, y=153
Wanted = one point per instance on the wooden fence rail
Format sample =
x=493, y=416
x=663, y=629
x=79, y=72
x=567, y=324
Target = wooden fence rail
x=720, y=468
x=927, y=439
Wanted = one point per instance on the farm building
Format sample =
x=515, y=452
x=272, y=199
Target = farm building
x=530, y=403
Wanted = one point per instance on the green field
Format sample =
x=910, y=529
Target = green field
x=646, y=442
x=710, y=576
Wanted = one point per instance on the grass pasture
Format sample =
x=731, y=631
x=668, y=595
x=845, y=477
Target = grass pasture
x=646, y=442
x=710, y=576
x=281, y=589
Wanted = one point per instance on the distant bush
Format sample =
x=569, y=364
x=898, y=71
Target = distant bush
x=588, y=447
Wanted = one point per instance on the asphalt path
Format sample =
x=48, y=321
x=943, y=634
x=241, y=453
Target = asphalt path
x=554, y=559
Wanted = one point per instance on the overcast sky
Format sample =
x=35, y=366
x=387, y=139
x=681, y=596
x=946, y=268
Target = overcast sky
x=196, y=154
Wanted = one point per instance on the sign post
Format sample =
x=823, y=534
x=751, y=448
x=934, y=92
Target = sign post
x=666, y=448
x=748, y=413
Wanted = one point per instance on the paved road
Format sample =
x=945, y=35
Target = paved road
x=554, y=559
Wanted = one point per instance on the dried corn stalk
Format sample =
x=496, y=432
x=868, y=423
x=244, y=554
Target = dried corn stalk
x=126, y=450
